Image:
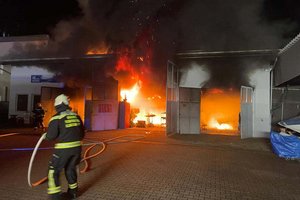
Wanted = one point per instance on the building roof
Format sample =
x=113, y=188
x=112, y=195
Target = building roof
x=286, y=70
x=211, y=54
x=290, y=44
x=25, y=38
x=56, y=60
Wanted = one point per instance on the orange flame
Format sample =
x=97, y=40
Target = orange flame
x=131, y=70
x=97, y=51
x=213, y=123
x=154, y=117
x=130, y=95
x=147, y=110
x=128, y=74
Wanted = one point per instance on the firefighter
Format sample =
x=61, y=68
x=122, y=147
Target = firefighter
x=39, y=114
x=67, y=129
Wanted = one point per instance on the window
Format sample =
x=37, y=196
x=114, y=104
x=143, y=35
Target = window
x=22, y=102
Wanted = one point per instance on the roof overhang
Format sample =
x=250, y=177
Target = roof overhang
x=56, y=60
x=214, y=54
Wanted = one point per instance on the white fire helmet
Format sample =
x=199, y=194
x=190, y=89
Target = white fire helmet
x=61, y=99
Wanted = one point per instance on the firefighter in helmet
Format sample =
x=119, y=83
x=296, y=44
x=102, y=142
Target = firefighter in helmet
x=67, y=129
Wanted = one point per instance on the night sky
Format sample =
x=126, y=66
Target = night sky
x=152, y=29
x=31, y=17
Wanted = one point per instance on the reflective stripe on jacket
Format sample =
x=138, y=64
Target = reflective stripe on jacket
x=67, y=128
x=65, y=145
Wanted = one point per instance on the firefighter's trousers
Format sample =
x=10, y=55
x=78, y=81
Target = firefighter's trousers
x=66, y=159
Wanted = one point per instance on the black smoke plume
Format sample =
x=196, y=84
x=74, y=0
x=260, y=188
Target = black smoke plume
x=164, y=27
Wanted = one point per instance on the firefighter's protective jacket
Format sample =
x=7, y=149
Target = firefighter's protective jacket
x=66, y=127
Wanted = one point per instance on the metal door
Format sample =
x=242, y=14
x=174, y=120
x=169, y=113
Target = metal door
x=172, y=99
x=104, y=115
x=189, y=111
x=246, y=115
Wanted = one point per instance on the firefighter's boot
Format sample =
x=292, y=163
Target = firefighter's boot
x=73, y=193
x=55, y=196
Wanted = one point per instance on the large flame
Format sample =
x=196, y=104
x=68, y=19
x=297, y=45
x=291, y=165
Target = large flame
x=154, y=117
x=131, y=72
x=213, y=123
x=130, y=94
x=147, y=106
x=220, y=109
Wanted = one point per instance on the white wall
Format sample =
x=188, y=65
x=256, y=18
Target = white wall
x=4, y=82
x=19, y=81
x=21, y=84
x=260, y=80
x=4, y=76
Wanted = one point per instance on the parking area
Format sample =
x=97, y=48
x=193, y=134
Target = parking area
x=146, y=164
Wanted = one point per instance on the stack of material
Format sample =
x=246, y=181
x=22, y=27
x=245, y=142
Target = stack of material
x=286, y=143
x=141, y=124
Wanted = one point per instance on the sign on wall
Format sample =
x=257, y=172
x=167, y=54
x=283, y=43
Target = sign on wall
x=42, y=79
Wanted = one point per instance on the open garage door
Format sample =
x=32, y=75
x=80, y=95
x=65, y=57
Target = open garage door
x=246, y=115
x=172, y=99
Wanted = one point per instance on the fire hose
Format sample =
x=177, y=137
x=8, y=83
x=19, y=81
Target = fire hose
x=9, y=134
x=85, y=155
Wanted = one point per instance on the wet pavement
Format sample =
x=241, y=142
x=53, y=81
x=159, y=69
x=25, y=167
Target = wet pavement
x=146, y=164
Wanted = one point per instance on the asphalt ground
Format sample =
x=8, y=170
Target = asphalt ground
x=146, y=164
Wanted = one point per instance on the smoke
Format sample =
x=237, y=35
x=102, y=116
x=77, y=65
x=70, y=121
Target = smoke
x=221, y=72
x=235, y=25
x=155, y=30
x=194, y=76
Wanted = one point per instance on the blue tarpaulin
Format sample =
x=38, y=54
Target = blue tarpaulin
x=286, y=146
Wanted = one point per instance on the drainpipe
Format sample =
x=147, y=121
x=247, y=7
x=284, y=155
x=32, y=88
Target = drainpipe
x=271, y=86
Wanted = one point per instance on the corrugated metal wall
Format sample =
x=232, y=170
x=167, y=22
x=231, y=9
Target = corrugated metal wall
x=287, y=65
x=285, y=103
